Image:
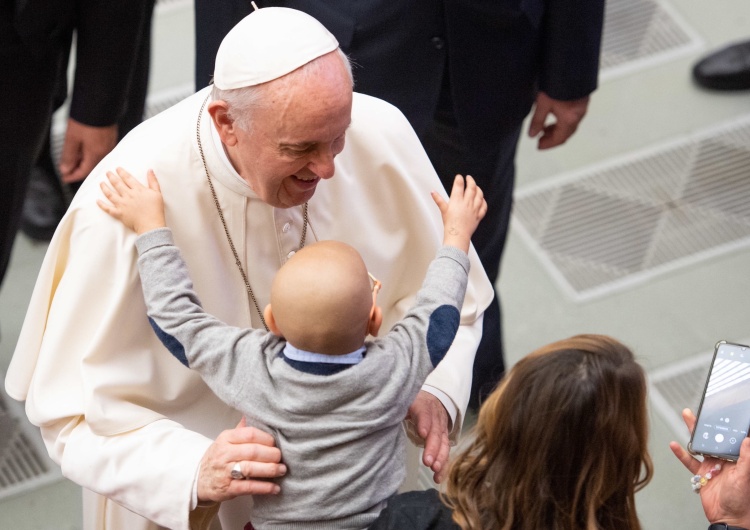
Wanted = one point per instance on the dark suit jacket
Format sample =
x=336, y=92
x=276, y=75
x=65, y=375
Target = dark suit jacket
x=497, y=53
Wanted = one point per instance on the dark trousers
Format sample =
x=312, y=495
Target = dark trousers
x=494, y=172
x=45, y=179
x=28, y=88
x=33, y=86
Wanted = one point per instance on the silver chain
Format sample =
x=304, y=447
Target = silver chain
x=250, y=293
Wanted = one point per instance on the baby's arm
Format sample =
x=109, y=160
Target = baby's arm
x=422, y=338
x=138, y=207
x=462, y=213
x=223, y=355
x=218, y=351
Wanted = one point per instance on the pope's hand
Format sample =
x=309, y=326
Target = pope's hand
x=257, y=455
x=431, y=420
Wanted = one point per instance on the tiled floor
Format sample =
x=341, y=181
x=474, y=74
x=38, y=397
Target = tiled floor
x=665, y=319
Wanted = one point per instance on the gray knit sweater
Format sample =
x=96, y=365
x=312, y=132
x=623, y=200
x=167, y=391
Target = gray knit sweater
x=338, y=426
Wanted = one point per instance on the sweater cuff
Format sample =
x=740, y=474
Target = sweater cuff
x=456, y=254
x=158, y=237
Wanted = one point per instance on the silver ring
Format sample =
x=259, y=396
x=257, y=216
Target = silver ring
x=237, y=472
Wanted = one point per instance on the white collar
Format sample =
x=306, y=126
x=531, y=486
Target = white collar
x=296, y=354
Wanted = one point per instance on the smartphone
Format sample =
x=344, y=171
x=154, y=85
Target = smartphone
x=723, y=416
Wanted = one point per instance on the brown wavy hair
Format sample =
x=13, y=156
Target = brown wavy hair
x=561, y=444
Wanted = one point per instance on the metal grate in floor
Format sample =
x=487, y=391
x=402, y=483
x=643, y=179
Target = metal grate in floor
x=677, y=386
x=641, y=33
x=622, y=222
x=24, y=463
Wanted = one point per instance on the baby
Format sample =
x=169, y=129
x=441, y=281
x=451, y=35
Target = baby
x=333, y=401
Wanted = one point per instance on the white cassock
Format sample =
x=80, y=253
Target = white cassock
x=121, y=416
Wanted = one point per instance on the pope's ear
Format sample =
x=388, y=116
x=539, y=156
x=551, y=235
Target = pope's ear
x=271, y=321
x=219, y=111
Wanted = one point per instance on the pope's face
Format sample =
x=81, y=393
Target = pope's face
x=292, y=142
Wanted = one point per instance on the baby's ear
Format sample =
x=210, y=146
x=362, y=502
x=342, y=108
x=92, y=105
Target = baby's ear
x=270, y=321
x=376, y=320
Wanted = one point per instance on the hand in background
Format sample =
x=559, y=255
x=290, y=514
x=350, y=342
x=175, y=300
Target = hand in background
x=83, y=148
x=568, y=114
x=725, y=496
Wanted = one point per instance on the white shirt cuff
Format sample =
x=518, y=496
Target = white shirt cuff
x=447, y=402
x=194, y=496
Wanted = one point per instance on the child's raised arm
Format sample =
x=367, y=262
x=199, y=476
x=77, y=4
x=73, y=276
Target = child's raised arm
x=462, y=213
x=138, y=207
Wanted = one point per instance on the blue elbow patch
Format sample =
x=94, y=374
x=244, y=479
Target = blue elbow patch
x=172, y=344
x=441, y=331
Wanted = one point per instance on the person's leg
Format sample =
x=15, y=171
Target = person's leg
x=489, y=240
x=46, y=198
x=27, y=85
x=139, y=83
x=136, y=104
x=494, y=173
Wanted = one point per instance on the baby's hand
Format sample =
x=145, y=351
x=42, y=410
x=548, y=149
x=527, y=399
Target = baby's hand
x=138, y=207
x=462, y=213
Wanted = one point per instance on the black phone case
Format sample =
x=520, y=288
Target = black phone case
x=722, y=456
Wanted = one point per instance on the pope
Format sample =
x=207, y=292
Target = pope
x=240, y=164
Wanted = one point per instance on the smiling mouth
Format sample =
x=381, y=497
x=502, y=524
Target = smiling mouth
x=306, y=183
x=306, y=179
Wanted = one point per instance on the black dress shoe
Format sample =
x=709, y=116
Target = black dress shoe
x=726, y=69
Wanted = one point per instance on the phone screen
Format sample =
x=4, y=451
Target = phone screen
x=724, y=415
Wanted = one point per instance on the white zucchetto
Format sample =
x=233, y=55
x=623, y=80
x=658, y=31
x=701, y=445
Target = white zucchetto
x=267, y=44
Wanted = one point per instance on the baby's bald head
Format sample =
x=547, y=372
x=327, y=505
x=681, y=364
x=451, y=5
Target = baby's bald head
x=321, y=299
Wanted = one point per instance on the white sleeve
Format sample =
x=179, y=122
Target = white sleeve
x=126, y=467
x=447, y=402
x=99, y=384
x=454, y=372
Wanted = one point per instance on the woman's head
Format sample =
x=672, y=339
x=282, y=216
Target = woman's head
x=560, y=444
